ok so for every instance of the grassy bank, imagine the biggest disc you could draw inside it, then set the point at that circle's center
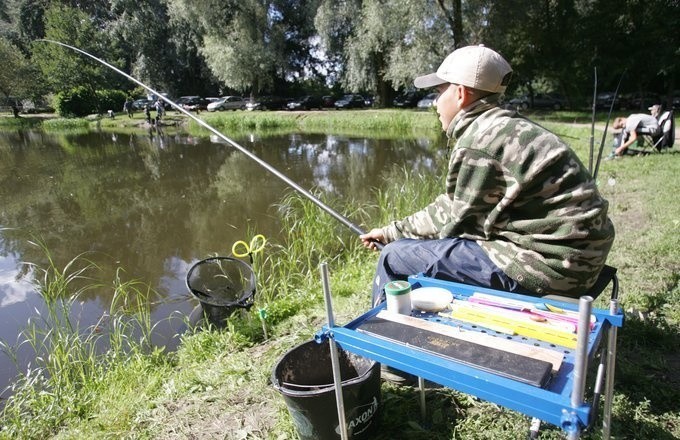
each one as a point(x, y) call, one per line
point(385, 123)
point(217, 384)
point(368, 123)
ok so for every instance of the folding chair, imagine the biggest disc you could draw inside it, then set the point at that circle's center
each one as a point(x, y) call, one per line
point(659, 139)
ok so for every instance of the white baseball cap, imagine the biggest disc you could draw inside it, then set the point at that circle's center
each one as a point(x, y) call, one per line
point(473, 66)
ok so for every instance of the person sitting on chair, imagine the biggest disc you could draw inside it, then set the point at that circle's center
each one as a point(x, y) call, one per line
point(629, 131)
point(519, 212)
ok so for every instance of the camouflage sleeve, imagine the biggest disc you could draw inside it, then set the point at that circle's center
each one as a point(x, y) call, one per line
point(475, 183)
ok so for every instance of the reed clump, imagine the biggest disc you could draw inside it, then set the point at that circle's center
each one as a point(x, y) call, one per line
point(66, 124)
point(74, 365)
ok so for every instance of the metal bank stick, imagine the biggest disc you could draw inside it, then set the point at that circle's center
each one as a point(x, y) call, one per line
point(585, 307)
point(611, 363)
point(335, 360)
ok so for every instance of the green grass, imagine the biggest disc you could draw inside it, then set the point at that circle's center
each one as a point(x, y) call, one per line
point(76, 368)
point(217, 384)
point(66, 124)
point(368, 123)
point(10, 123)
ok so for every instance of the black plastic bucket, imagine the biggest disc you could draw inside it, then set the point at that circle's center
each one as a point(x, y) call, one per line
point(304, 376)
point(222, 285)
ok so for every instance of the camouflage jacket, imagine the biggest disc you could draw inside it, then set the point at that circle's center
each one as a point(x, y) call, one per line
point(524, 196)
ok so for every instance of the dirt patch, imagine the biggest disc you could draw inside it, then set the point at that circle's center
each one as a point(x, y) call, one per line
point(234, 400)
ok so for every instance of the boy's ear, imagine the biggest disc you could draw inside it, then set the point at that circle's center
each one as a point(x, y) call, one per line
point(465, 96)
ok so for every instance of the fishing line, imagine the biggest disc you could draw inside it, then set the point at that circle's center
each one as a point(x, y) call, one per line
point(354, 228)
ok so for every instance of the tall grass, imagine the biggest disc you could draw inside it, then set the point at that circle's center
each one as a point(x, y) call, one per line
point(66, 124)
point(74, 366)
point(22, 123)
point(370, 123)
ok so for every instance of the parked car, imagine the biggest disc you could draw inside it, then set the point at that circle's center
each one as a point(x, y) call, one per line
point(306, 103)
point(604, 101)
point(369, 100)
point(350, 101)
point(228, 103)
point(195, 103)
point(139, 104)
point(427, 101)
point(152, 99)
point(540, 101)
point(266, 103)
point(328, 101)
point(641, 101)
point(408, 99)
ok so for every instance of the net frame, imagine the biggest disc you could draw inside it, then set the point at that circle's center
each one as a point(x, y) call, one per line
point(222, 268)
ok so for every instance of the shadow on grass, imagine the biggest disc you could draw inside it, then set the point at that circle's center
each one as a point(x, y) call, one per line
point(648, 360)
point(401, 417)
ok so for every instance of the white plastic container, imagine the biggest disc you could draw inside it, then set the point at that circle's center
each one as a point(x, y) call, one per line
point(398, 297)
point(431, 299)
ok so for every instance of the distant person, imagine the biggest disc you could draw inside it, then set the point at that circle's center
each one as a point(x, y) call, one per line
point(147, 113)
point(655, 110)
point(629, 131)
point(127, 107)
point(15, 110)
point(159, 111)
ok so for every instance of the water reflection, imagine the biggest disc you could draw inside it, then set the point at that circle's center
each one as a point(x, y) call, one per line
point(154, 203)
point(16, 281)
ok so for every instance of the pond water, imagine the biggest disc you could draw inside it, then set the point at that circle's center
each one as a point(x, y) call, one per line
point(154, 204)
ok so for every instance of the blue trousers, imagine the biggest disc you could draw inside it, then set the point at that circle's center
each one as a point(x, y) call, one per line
point(452, 259)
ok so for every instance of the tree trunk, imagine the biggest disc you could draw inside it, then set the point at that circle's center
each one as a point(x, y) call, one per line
point(454, 16)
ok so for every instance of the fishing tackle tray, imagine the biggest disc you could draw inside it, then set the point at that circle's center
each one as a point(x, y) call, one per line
point(534, 387)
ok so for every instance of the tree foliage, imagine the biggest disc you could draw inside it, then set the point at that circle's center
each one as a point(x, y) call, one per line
point(373, 46)
point(251, 45)
point(158, 48)
point(17, 77)
point(381, 47)
point(66, 69)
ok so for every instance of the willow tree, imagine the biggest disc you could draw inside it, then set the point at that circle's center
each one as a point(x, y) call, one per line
point(251, 45)
point(381, 47)
point(158, 51)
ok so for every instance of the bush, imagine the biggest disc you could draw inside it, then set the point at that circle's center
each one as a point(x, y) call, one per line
point(111, 100)
point(81, 101)
point(78, 101)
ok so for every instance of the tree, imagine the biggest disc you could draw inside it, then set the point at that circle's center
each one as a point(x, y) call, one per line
point(251, 45)
point(64, 68)
point(18, 77)
point(382, 48)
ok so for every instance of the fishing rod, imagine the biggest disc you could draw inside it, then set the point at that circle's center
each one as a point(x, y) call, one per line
point(606, 126)
point(354, 228)
point(592, 126)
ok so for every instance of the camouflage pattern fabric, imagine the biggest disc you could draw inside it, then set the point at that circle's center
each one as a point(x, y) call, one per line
point(524, 196)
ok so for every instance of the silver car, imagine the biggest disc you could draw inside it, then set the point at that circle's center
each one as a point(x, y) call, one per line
point(427, 101)
point(228, 103)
